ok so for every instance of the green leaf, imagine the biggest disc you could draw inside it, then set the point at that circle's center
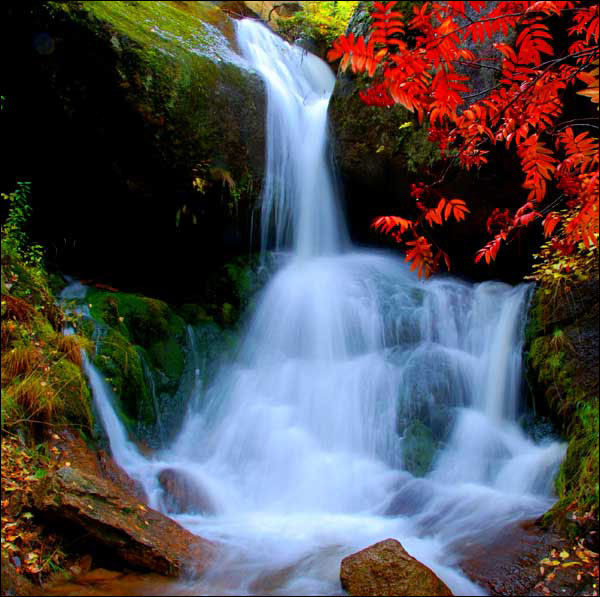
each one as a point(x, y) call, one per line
point(40, 473)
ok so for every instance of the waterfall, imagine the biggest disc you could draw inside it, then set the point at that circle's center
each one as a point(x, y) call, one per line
point(299, 207)
point(306, 441)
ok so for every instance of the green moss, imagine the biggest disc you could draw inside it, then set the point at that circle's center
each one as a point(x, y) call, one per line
point(418, 448)
point(120, 362)
point(168, 357)
point(194, 314)
point(138, 327)
point(570, 394)
point(75, 393)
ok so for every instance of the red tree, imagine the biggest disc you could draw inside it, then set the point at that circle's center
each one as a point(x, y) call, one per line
point(559, 158)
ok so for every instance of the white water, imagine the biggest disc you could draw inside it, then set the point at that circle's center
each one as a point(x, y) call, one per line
point(298, 442)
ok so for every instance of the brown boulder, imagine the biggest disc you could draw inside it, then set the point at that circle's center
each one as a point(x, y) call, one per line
point(182, 494)
point(121, 525)
point(387, 569)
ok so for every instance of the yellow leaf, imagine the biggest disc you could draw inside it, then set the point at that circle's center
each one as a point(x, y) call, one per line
point(564, 555)
point(548, 562)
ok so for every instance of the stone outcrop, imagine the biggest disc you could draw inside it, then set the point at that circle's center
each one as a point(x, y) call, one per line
point(91, 495)
point(387, 569)
point(159, 98)
point(120, 524)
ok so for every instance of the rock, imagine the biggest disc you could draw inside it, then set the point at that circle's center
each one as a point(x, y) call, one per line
point(157, 95)
point(387, 569)
point(112, 471)
point(508, 562)
point(115, 522)
point(71, 450)
point(271, 11)
point(418, 448)
point(182, 494)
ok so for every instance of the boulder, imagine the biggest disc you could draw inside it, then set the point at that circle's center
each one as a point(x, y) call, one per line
point(387, 569)
point(182, 494)
point(116, 523)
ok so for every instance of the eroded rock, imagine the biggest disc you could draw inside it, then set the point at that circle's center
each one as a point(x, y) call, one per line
point(386, 568)
point(120, 524)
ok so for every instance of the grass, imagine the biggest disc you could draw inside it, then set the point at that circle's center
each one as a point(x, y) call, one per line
point(43, 382)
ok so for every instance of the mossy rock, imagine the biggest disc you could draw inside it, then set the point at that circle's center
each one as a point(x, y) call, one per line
point(158, 96)
point(120, 362)
point(562, 369)
point(179, 72)
point(418, 449)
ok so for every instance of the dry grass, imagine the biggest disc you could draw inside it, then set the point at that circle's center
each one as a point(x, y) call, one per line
point(34, 397)
point(20, 361)
point(18, 309)
point(71, 347)
point(8, 334)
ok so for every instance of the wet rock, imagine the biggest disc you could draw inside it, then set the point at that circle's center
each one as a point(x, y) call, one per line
point(387, 569)
point(507, 563)
point(410, 498)
point(114, 521)
point(71, 450)
point(181, 494)
point(112, 471)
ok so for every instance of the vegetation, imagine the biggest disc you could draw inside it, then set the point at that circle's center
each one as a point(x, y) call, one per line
point(564, 364)
point(42, 378)
point(321, 22)
point(423, 72)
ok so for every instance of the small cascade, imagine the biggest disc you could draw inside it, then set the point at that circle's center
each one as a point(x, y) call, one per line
point(151, 382)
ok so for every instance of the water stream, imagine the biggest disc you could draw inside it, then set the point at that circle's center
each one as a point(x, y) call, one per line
point(303, 442)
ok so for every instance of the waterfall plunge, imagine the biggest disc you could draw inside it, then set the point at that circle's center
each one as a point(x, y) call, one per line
point(299, 441)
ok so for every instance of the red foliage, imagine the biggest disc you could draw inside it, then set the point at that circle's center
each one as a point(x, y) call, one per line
point(560, 167)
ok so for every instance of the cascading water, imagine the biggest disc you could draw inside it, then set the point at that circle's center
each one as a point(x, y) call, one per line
point(304, 441)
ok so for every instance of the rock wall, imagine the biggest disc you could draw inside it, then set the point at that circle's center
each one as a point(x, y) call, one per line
point(562, 365)
point(124, 106)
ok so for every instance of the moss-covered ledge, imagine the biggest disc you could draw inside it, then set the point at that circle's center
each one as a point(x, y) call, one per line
point(562, 367)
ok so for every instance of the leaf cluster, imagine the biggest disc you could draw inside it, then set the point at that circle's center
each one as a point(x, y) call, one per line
point(425, 75)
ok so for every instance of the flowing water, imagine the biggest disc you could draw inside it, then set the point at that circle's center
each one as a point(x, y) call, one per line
point(350, 370)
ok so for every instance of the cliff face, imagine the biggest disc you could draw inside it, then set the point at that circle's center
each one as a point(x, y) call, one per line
point(144, 128)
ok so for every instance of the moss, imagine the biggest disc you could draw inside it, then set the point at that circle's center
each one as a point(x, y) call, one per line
point(120, 362)
point(168, 357)
point(177, 73)
point(568, 389)
point(418, 448)
point(194, 314)
point(75, 393)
